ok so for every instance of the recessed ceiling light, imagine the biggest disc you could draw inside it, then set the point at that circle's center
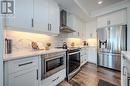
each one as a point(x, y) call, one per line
point(100, 2)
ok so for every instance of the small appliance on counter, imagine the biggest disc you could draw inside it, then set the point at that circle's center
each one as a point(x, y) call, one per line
point(8, 46)
point(85, 43)
point(65, 45)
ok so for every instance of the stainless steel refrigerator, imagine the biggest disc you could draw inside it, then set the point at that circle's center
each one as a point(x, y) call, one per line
point(110, 42)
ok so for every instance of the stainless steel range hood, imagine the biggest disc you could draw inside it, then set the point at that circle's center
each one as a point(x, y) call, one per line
point(63, 23)
point(66, 29)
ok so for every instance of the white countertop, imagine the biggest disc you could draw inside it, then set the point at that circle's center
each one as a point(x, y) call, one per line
point(126, 54)
point(87, 46)
point(24, 54)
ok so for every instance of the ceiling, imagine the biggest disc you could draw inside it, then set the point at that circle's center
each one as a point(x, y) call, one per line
point(92, 5)
point(72, 7)
point(84, 8)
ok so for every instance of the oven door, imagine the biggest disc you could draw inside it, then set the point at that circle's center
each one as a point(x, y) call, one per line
point(74, 61)
point(53, 65)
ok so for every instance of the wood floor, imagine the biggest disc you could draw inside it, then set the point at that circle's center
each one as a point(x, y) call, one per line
point(90, 76)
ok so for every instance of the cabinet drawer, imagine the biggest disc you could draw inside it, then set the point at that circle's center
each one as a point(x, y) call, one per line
point(54, 79)
point(21, 64)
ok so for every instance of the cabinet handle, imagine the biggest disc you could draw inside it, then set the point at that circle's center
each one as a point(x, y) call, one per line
point(32, 23)
point(123, 57)
point(37, 74)
point(78, 33)
point(128, 81)
point(124, 71)
point(25, 64)
point(55, 79)
point(50, 27)
point(108, 22)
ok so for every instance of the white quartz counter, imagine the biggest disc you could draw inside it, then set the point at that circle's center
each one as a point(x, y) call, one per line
point(126, 54)
point(25, 54)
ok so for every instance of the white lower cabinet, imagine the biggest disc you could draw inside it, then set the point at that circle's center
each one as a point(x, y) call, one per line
point(83, 56)
point(125, 70)
point(23, 78)
point(92, 54)
point(54, 79)
point(22, 72)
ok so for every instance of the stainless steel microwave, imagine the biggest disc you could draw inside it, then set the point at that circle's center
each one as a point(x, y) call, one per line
point(52, 63)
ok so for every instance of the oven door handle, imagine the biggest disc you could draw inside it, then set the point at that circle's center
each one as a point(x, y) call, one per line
point(74, 53)
point(56, 57)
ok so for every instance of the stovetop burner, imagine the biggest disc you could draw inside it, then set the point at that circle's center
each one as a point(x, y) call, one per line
point(71, 48)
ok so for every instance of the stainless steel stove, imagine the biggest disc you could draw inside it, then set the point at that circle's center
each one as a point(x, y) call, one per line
point(72, 61)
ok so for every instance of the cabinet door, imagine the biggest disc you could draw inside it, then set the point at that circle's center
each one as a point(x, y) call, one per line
point(102, 21)
point(86, 54)
point(117, 18)
point(84, 31)
point(80, 29)
point(24, 78)
point(125, 70)
point(76, 27)
point(54, 79)
point(54, 16)
point(41, 15)
point(92, 55)
point(22, 19)
point(70, 20)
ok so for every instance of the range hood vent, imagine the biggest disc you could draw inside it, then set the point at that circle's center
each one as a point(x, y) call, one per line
point(63, 23)
point(66, 29)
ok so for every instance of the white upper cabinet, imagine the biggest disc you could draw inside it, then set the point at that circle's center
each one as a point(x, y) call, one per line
point(41, 15)
point(102, 21)
point(36, 16)
point(71, 21)
point(75, 24)
point(54, 16)
point(84, 31)
point(115, 18)
point(91, 30)
point(23, 15)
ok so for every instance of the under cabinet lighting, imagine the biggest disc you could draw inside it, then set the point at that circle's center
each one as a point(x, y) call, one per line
point(100, 2)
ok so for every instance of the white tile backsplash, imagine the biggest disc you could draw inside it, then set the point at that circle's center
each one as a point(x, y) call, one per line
point(22, 40)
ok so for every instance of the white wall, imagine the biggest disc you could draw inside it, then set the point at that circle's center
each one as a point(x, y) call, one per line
point(128, 29)
point(1, 53)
